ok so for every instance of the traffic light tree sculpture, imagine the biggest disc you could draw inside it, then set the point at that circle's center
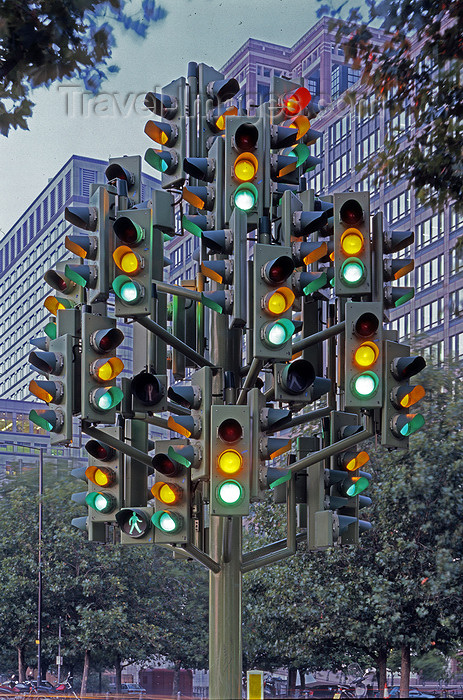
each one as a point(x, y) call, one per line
point(288, 282)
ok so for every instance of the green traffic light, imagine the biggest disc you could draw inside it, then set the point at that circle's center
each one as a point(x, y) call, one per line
point(230, 493)
point(167, 522)
point(365, 385)
point(357, 485)
point(277, 333)
point(405, 425)
point(49, 420)
point(101, 502)
point(104, 399)
point(128, 290)
point(245, 196)
point(353, 272)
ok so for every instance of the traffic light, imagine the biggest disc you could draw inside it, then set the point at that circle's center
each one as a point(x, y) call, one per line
point(273, 302)
point(346, 479)
point(149, 392)
point(126, 170)
point(352, 247)
point(172, 516)
point(104, 476)
point(397, 424)
point(69, 293)
point(94, 246)
point(135, 525)
point(169, 134)
point(363, 375)
point(231, 272)
point(214, 90)
point(59, 365)
point(206, 197)
point(246, 178)
point(395, 269)
point(231, 466)
point(197, 396)
point(133, 258)
point(296, 382)
point(100, 368)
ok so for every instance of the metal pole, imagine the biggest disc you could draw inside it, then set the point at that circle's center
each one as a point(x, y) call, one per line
point(225, 662)
point(39, 600)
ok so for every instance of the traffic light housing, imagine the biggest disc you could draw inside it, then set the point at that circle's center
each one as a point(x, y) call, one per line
point(363, 374)
point(230, 460)
point(352, 246)
point(96, 218)
point(59, 365)
point(397, 424)
point(346, 479)
point(149, 392)
point(135, 525)
point(172, 514)
point(246, 178)
point(273, 301)
point(132, 257)
point(169, 134)
point(100, 368)
point(104, 476)
point(126, 169)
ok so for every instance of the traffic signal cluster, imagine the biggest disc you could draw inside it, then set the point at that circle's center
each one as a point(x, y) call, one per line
point(282, 266)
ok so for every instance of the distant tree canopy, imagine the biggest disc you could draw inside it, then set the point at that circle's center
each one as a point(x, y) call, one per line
point(49, 40)
point(423, 87)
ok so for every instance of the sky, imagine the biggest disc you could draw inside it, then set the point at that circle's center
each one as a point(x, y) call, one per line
point(66, 121)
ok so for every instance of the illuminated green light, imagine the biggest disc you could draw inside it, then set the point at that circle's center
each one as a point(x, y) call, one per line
point(277, 333)
point(191, 227)
point(50, 330)
point(41, 420)
point(360, 483)
point(105, 399)
point(245, 196)
point(230, 493)
point(365, 385)
point(404, 298)
point(167, 522)
point(353, 272)
point(101, 502)
point(316, 284)
point(128, 290)
point(411, 426)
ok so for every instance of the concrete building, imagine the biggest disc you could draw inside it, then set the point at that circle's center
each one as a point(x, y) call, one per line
point(34, 244)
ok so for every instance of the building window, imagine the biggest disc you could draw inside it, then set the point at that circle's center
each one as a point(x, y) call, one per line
point(60, 194)
point(456, 261)
point(6, 421)
point(38, 224)
point(339, 130)
point(456, 346)
point(429, 316)
point(434, 354)
point(87, 178)
point(429, 273)
point(456, 303)
point(340, 167)
point(22, 423)
point(176, 257)
point(263, 93)
point(68, 185)
point(456, 220)
point(398, 207)
point(52, 203)
point(430, 230)
point(45, 211)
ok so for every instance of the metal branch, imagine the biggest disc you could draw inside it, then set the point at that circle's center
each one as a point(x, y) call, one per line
point(174, 342)
point(318, 337)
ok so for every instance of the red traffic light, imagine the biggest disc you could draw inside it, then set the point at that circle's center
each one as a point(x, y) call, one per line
point(366, 325)
point(294, 104)
point(166, 466)
point(230, 430)
point(351, 212)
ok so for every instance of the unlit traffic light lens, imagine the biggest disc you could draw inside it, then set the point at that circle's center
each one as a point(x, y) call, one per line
point(128, 231)
point(230, 430)
point(351, 212)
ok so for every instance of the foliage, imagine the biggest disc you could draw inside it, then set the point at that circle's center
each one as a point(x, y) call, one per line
point(53, 40)
point(420, 86)
point(431, 666)
point(400, 586)
point(118, 603)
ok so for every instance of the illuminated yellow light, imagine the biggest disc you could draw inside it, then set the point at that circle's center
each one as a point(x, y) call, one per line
point(302, 124)
point(173, 425)
point(358, 461)
point(352, 241)
point(126, 260)
point(220, 123)
point(366, 355)
point(245, 167)
point(192, 198)
point(101, 479)
point(230, 462)
point(167, 493)
point(39, 392)
point(53, 305)
point(101, 476)
point(106, 370)
point(415, 395)
point(75, 248)
point(279, 301)
point(155, 133)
